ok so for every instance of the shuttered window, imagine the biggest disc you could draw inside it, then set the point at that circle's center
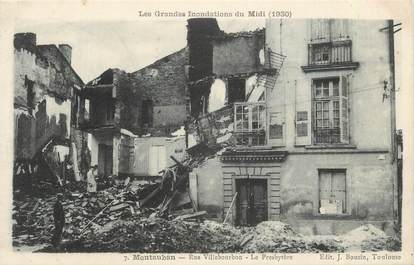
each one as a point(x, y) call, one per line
point(326, 30)
point(332, 191)
point(329, 42)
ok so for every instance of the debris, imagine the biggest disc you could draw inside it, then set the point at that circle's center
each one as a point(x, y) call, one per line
point(364, 232)
point(246, 240)
point(118, 207)
point(126, 182)
point(231, 207)
point(193, 215)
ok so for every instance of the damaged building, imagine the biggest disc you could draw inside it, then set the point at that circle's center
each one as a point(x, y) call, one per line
point(44, 130)
point(135, 121)
point(289, 119)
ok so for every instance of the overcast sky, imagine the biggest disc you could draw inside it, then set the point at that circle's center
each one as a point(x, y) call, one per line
point(97, 46)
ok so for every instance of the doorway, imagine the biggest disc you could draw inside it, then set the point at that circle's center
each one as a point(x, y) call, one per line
point(251, 201)
point(105, 161)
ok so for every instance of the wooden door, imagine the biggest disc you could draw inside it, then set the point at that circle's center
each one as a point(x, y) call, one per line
point(252, 201)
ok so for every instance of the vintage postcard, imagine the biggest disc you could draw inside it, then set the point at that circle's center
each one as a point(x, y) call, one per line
point(226, 132)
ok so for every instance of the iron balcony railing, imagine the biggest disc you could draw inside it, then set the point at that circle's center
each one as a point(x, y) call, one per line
point(330, 53)
point(327, 135)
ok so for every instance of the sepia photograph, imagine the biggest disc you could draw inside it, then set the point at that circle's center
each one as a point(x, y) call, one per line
point(207, 135)
point(251, 132)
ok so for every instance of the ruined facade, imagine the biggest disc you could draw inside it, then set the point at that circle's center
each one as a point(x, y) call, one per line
point(133, 118)
point(305, 149)
point(44, 85)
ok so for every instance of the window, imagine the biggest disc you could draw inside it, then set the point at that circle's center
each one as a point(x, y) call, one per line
point(30, 96)
point(330, 110)
point(249, 123)
point(329, 42)
point(327, 30)
point(332, 191)
point(236, 90)
point(147, 113)
point(110, 110)
point(87, 109)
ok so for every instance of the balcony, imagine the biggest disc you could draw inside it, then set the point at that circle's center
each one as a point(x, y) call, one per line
point(99, 113)
point(336, 55)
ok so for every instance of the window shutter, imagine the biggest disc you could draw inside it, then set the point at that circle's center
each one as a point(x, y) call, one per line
point(276, 125)
point(303, 116)
point(339, 29)
point(343, 109)
point(313, 116)
point(320, 30)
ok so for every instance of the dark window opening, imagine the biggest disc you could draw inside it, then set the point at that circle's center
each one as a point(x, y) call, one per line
point(147, 113)
point(110, 111)
point(30, 96)
point(236, 90)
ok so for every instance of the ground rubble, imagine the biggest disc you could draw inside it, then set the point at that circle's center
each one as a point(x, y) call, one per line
point(115, 221)
point(137, 216)
point(160, 235)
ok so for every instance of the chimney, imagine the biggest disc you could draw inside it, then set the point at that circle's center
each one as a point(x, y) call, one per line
point(66, 50)
point(25, 41)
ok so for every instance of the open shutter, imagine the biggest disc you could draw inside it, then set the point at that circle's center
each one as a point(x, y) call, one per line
point(313, 115)
point(303, 116)
point(343, 109)
point(276, 116)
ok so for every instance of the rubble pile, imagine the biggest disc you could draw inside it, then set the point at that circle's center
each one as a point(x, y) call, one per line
point(371, 238)
point(382, 243)
point(155, 235)
point(364, 232)
point(33, 221)
point(274, 236)
point(140, 216)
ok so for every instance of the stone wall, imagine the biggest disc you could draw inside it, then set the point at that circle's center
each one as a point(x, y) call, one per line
point(165, 84)
point(238, 54)
point(45, 73)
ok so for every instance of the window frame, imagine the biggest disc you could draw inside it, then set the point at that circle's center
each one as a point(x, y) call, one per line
point(336, 103)
point(254, 136)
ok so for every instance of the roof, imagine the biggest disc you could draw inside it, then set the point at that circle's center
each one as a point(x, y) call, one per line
point(106, 78)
